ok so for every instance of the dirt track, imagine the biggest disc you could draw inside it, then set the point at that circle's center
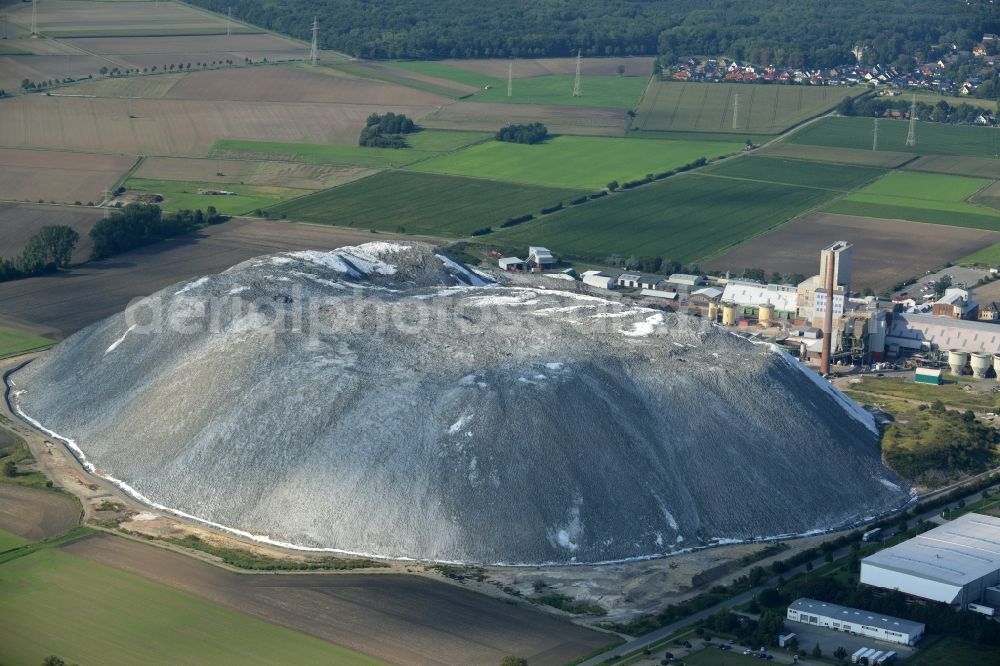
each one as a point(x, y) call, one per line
point(64, 303)
point(885, 251)
point(35, 514)
point(401, 619)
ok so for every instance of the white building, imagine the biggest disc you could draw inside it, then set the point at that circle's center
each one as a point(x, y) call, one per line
point(854, 621)
point(953, 563)
point(512, 264)
point(598, 279)
point(686, 279)
point(540, 257)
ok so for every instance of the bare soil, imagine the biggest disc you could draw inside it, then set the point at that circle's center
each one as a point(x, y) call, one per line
point(19, 222)
point(64, 303)
point(568, 119)
point(293, 83)
point(177, 127)
point(35, 514)
point(250, 172)
point(60, 177)
point(401, 619)
point(885, 251)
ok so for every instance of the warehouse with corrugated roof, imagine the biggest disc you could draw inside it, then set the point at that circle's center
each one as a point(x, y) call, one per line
point(953, 563)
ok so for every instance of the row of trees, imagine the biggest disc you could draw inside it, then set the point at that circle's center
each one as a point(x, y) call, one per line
point(386, 131)
point(941, 111)
point(47, 251)
point(136, 225)
point(530, 133)
point(781, 32)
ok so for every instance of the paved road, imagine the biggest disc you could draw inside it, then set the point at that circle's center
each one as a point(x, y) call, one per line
point(644, 641)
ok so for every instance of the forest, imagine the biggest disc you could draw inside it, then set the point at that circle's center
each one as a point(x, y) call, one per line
point(779, 32)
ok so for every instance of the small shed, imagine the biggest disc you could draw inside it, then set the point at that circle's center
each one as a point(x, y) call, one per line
point(927, 376)
point(629, 280)
point(512, 264)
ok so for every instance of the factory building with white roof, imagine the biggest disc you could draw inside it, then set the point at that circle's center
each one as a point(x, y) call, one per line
point(954, 563)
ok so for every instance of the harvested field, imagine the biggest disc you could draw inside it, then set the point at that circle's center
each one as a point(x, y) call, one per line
point(559, 119)
point(398, 619)
point(381, 72)
point(35, 514)
point(839, 177)
point(251, 172)
point(856, 156)
point(63, 304)
point(29, 175)
point(987, 293)
point(187, 47)
point(62, 17)
point(708, 107)
point(885, 251)
point(524, 68)
point(284, 83)
point(442, 206)
point(175, 127)
point(37, 68)
point(980, 167)
point(153, 86)
point(19, 222)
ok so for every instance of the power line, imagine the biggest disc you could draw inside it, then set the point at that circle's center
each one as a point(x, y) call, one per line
point(229, 22)
point(911, 136)
point(34, 19)
point(875, 136)
point(314, 51)
point(736, 108)
point(510, 78)
point(577, 89)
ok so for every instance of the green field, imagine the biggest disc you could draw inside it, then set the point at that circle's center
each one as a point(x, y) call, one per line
point(988, 256)
point(708, 107)
point(609, 91)
point(573, 161)
point(417, 203)
point(880, 158)
point(14, 341)
point(949, 651)
point(8, 541)
point(182, 194)
point(687, 218)
point(932, 138)
point(921, 197)
point(8, 49)
point(837, 177)
point(424, 144)
point(934, 98)
point(56, 603)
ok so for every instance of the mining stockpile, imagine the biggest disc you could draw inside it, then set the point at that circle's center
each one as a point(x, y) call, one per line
point(386, 400)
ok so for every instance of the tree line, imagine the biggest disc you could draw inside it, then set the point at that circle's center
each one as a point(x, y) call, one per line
point(941, 111)
point(779, 32)
point(136, 225)
point(47, 251)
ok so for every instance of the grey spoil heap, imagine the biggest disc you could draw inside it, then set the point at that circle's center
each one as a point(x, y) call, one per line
point(417, 411)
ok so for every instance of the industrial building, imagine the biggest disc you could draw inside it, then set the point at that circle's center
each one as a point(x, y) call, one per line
point(750, 296)
point(915, 332)
point(954, 563)
point(854, 621)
